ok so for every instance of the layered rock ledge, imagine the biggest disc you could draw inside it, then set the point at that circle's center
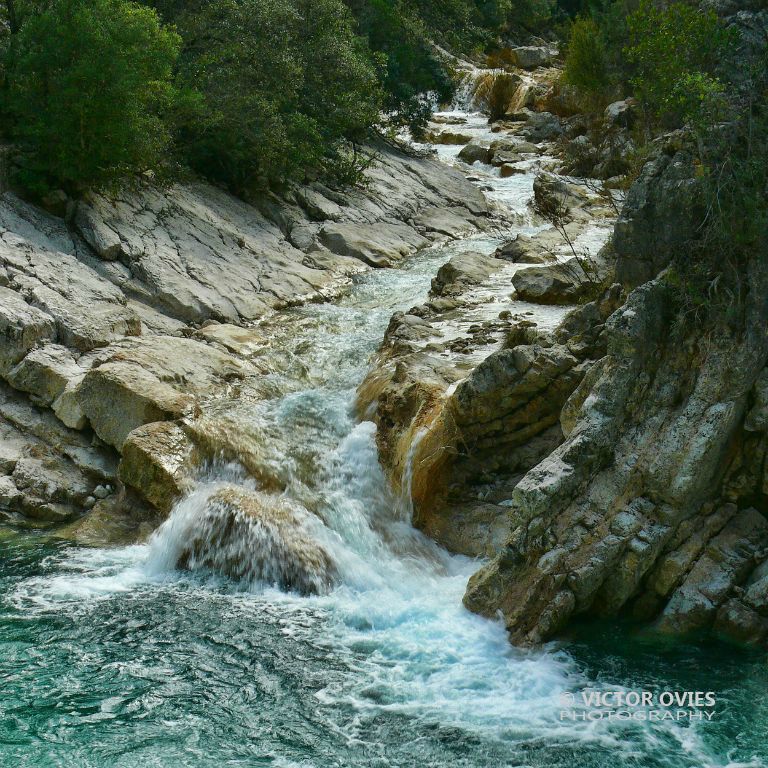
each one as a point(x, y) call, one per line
point(125, 324)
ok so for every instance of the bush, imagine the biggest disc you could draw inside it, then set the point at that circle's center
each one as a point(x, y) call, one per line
point(675, 51)
point(88, 82)
point(586, 60)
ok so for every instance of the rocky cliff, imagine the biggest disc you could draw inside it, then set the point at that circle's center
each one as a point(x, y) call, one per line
point(654, 504)
point(611, 462)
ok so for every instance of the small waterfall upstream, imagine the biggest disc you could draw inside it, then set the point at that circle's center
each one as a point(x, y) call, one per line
point(315, 627)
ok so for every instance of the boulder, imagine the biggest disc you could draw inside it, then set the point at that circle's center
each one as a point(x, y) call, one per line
point(757, 418)
point(50, 478)
point(738, 622)
point(463, 270)
point(523, 250)
point(531, 56)
point(378, 245)
point(67, 407)
point(45, 373)
point(446, 221)
point(88, 311)
point(502, 157)
point(553, 193)
point(475, 153)
point(560, 283)
point(725, 563)
point(22, 327)
point(449, 137)
point(253, 537)
point(542, 126)
point(157, 378)
point(157, 462)
point(236, 339)
point(622, 114)
point(508, 170)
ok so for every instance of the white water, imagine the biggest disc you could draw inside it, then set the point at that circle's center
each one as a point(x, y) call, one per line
point(394, 617)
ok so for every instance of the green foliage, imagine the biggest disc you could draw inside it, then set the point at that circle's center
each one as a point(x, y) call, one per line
point(87, 84)
point(411, 69)
point(674, 51)
point(281, 84)
point(586, 60)
point(249, 93)
point(402, 32)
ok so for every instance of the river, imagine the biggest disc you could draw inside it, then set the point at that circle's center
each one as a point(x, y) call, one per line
point(110, 658)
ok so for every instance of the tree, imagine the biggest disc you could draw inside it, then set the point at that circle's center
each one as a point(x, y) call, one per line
point(281, 84)
point(88, 82)
point(585, 62)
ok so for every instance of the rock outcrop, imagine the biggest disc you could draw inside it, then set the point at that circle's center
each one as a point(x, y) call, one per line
point(254, 538)
point(654, 504)
point(125, 329)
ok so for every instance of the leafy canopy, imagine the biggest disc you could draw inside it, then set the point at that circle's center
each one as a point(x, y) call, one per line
point(88, 83)
point(675, 51)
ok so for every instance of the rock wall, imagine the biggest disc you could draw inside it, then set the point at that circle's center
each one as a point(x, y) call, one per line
point(654, 505)
point(125, 324)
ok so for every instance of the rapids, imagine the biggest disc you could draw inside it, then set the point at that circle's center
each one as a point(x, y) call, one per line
point(111, 657)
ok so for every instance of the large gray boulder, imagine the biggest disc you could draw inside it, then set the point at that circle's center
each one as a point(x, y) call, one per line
point(531, 56)
point(559, 283)
point(378, 245)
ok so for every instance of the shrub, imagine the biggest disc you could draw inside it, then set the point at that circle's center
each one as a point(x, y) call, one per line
point(675, 51)
point(586, 62)
point(88, 82)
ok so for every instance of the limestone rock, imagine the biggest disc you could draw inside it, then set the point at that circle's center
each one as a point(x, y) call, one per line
point(738, 622)
point(88, 311)
point(562, 283)
point(449, 222)
point(45, 372)
point(531, 56)
point(757, 418)
point(622, 113)
point(542, 126)
point(157, 462)
point(255, 537)
point(449, 137)
point(659, 216)
point(67, 406)
point(461, 271)
point(379, 245)
point(474, 153)
point(724, 564)
point(22, 327)
point(158, 378)
point(508, 170)
point(238, 340)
